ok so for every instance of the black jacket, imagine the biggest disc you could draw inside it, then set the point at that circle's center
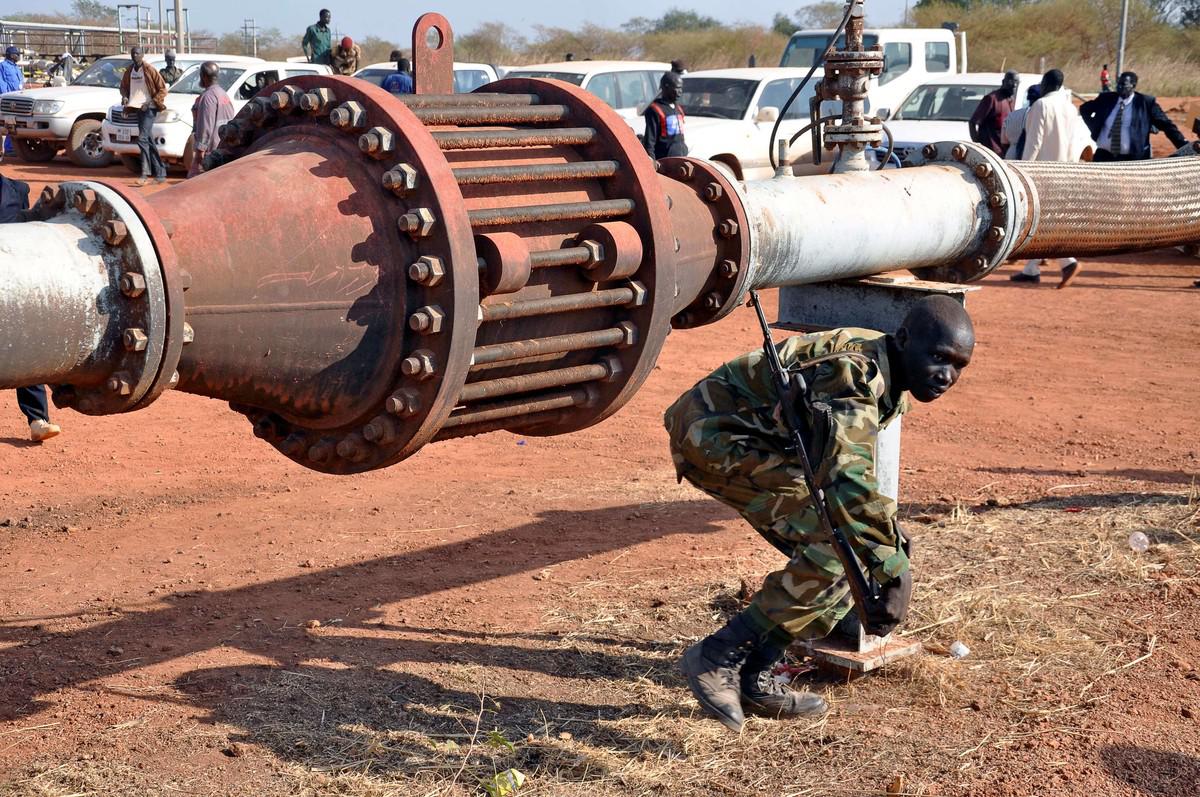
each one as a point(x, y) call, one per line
point(14, 201)
point(664, 130)
point(1147, 116)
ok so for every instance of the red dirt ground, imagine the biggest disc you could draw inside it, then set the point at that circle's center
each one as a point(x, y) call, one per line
point(139, 551)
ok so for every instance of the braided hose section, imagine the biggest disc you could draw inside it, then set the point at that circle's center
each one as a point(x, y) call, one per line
point(1097, 209)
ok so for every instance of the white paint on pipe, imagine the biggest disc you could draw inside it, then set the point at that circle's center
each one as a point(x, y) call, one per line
point(840, 226)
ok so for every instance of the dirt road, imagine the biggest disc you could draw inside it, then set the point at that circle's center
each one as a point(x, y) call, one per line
point(162, 572)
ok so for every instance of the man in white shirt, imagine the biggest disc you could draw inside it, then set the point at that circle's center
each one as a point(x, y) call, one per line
point(144, 92)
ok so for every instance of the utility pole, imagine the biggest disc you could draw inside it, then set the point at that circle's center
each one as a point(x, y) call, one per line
point(179, 26)
point(1123, 36)
point(250, 37)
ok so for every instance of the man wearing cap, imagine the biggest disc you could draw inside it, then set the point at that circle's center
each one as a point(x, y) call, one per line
point(170, 73)
point(346, 56)
point(316, 39)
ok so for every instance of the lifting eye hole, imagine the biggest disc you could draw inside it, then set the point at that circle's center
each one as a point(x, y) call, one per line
point(434, 38)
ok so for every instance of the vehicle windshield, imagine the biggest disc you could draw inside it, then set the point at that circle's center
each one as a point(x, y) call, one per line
point(190, 82)
point(567, 77)
point(375, 76)
point(806, 49)
point(467, 80)
point(105, 73)
point(945, 102)
point(724, 98)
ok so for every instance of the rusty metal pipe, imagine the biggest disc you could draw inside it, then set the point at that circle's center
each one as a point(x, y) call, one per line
point(492, 115)
point(487, 175)
point(567, 256)
point(504, 311)
point(519, 407)
point(559, 377)
point(557, 344)
point(487, 139)
point(473, 99)
point(513, 424)
point(562, 211)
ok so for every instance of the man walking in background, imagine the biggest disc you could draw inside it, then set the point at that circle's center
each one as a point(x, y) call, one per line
point(316, 39)
point(144, 91)
point(1053, 132)
point(1121, 122)
point(987, 123)
point(401, 82)
point(346, 56)
point(212, 109)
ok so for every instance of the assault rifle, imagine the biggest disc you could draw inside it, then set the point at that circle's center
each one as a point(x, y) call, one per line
point(792, 388)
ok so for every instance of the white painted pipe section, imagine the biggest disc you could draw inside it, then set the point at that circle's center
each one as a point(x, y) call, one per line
point(54, 289)
point(887, 459)
point(840, 226)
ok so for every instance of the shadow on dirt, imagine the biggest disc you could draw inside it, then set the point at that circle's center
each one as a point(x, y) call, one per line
point(267, 619)
point(18, 442)
point(1153, 772)
point(1133, 474)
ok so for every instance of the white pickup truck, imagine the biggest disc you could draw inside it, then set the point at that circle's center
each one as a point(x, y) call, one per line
point(43, 121)
point(172, 130)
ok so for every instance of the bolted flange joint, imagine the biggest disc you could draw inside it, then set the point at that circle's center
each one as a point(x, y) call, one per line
point(378, 142)
point(349, 116)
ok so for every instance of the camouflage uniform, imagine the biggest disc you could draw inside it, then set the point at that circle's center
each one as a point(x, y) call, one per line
point(727, 440)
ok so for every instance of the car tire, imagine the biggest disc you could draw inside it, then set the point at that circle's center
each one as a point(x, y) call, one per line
point(35, 150)
point(85, 146)
point(132, 162)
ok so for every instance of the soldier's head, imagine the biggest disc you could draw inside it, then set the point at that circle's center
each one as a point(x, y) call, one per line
point(324, 17)
point(670, 87)
point(1012, 80)
point(347, 44)
point(208, 73)
point(403, 65)
point(169, 57)
point(935, 343)
point(1127, 84)
point(137, 55)
point(1052, 81)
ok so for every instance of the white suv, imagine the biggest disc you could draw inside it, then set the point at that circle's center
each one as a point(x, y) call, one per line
point(467, 77)
point(44, 120)
point(627, 86)
point(172, 130)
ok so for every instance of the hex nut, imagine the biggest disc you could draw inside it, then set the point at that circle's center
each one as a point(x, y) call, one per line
point(984, 171)
point(264, 429)
point(120, 384)
point(980, 263)
point(595, 255)
point(640, 294)
point(405, 402)
point(317, 101)
point(132, 284)
point(292, 445)
point(232, 133)
point(427, 320)
point(260, 110)
point(959, 152)
point(135, 339)
point(997, 200)
point(174, 381)
point(612, 364)
point(713, 301)
point(728, 228)
point(189, 334)
point(929, 151)
point(685, 170)
point(428, 271)
point(420, 364)
point(86, 201)
point(417, 222)
point(728, 269)
point(996, 233)
point(114, 232)
point(287, 98)
point(378, 142)
point(381, 429)
point(320, 452)
point(349, 116)
point(629, 334)
point(401, 179)
point(713, 191)
point(352, 447)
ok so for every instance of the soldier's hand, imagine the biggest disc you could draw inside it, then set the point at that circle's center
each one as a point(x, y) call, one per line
point(894, 597)
point(905, 540)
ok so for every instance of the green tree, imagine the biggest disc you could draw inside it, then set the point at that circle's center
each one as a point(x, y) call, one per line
point(94, 11)
point(814, 15)
point(675, 20)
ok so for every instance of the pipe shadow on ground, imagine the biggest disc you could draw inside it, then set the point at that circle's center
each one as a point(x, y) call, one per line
point(1153, 772)
point(1133, 474)
point(264, 619)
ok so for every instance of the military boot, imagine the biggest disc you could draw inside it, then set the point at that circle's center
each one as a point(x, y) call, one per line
point(712, 666)
point(763, 696)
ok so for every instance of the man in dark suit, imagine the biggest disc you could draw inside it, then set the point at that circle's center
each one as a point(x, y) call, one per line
point(1121, 122)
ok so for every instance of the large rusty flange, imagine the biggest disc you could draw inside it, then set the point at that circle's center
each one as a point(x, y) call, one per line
point(722, 292)
point(438, 288)
point(144, 303)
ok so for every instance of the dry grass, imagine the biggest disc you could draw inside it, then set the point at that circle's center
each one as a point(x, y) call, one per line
point(1055, 607)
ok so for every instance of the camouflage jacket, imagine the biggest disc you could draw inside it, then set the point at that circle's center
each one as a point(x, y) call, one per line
point(729, 425)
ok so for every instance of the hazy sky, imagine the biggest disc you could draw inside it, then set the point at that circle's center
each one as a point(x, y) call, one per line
point(381, 19)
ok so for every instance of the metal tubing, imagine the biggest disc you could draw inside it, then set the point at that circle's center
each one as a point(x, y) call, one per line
point(504, 311)
point(512, 409)
point(486, 175)
point(474, 99)
point(492, 115)
point(487, 139)
point(562, 211)
point(557, 344)
point(541, 380)
point(567, 256)
point(55, 305)
point(502, 424)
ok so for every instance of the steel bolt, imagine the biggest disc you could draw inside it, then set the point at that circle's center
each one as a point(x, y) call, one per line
point(629, 334)
point(317, 101)
point(287, 98)
point(713, 301)
point(427, 271)
point(980, 263)
point(612, 364)
point(640, 294)
point(728, 269)
point(685, 170)
point(349, 116)
point(132, 284)
point(404, 402)
point(292, 445)
point(353, 447)
point(233, 133)
point(420, 364)
point(959, 152)
point(378, 142)
point(114, 232)
point(320, 452)
point(996, 233)
point(713, 192)
point(929, 151)
point(401, 179)
point(418, 223)
point(135, 339)
point(381, 429)
point(260, 110)
point(119, 383)
point(189, 334)
point(86, 201)
point(427, 320)
point(997, 200)
point(983, 171)
point(728, 228)
point(264, 429)
point(595, 251)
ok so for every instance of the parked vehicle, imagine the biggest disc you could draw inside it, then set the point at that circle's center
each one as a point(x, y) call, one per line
point(627, 86)
point(43, 121)
point(730, 113)
point(939, 109)
point(172, 130)
point(467, 77)
point(911, 56)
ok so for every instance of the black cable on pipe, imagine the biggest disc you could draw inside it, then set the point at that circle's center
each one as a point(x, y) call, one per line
point(891, 148)
point(783, 111)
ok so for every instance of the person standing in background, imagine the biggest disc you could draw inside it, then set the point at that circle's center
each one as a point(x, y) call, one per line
point(315, 43)
point(212, 109)
point(11, 79)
